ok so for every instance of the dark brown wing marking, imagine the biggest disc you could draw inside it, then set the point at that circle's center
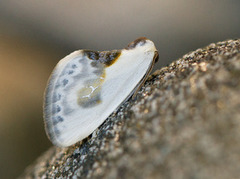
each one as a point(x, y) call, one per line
point(105, 57)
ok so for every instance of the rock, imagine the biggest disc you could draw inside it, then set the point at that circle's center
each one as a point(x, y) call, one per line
point(183, 123)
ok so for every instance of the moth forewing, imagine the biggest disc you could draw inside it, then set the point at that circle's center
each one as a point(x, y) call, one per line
point(87, 86)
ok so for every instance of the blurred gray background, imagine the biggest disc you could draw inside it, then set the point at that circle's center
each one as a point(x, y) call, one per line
point(35, 35)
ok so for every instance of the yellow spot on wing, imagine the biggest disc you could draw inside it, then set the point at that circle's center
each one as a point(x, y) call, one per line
point(90, 95)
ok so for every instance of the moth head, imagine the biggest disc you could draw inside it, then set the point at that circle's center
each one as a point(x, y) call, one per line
point(145, 45)
point(141, 42)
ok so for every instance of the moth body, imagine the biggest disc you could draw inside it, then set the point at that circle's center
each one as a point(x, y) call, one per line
point(87, 86)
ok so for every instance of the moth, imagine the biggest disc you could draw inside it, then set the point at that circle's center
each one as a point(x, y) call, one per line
point(86, 86)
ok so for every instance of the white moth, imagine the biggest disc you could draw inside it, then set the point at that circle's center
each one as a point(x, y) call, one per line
point(87, 86)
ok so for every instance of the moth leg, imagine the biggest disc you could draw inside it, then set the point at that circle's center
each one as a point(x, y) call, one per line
point(141, 83)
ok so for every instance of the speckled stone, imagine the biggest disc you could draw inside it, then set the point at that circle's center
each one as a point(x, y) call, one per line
point(183, 123)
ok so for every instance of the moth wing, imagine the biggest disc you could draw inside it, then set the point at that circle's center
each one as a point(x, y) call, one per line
point(65, 112)
point(69, 117)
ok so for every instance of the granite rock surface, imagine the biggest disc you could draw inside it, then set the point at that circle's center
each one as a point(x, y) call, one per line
point(183, 123)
